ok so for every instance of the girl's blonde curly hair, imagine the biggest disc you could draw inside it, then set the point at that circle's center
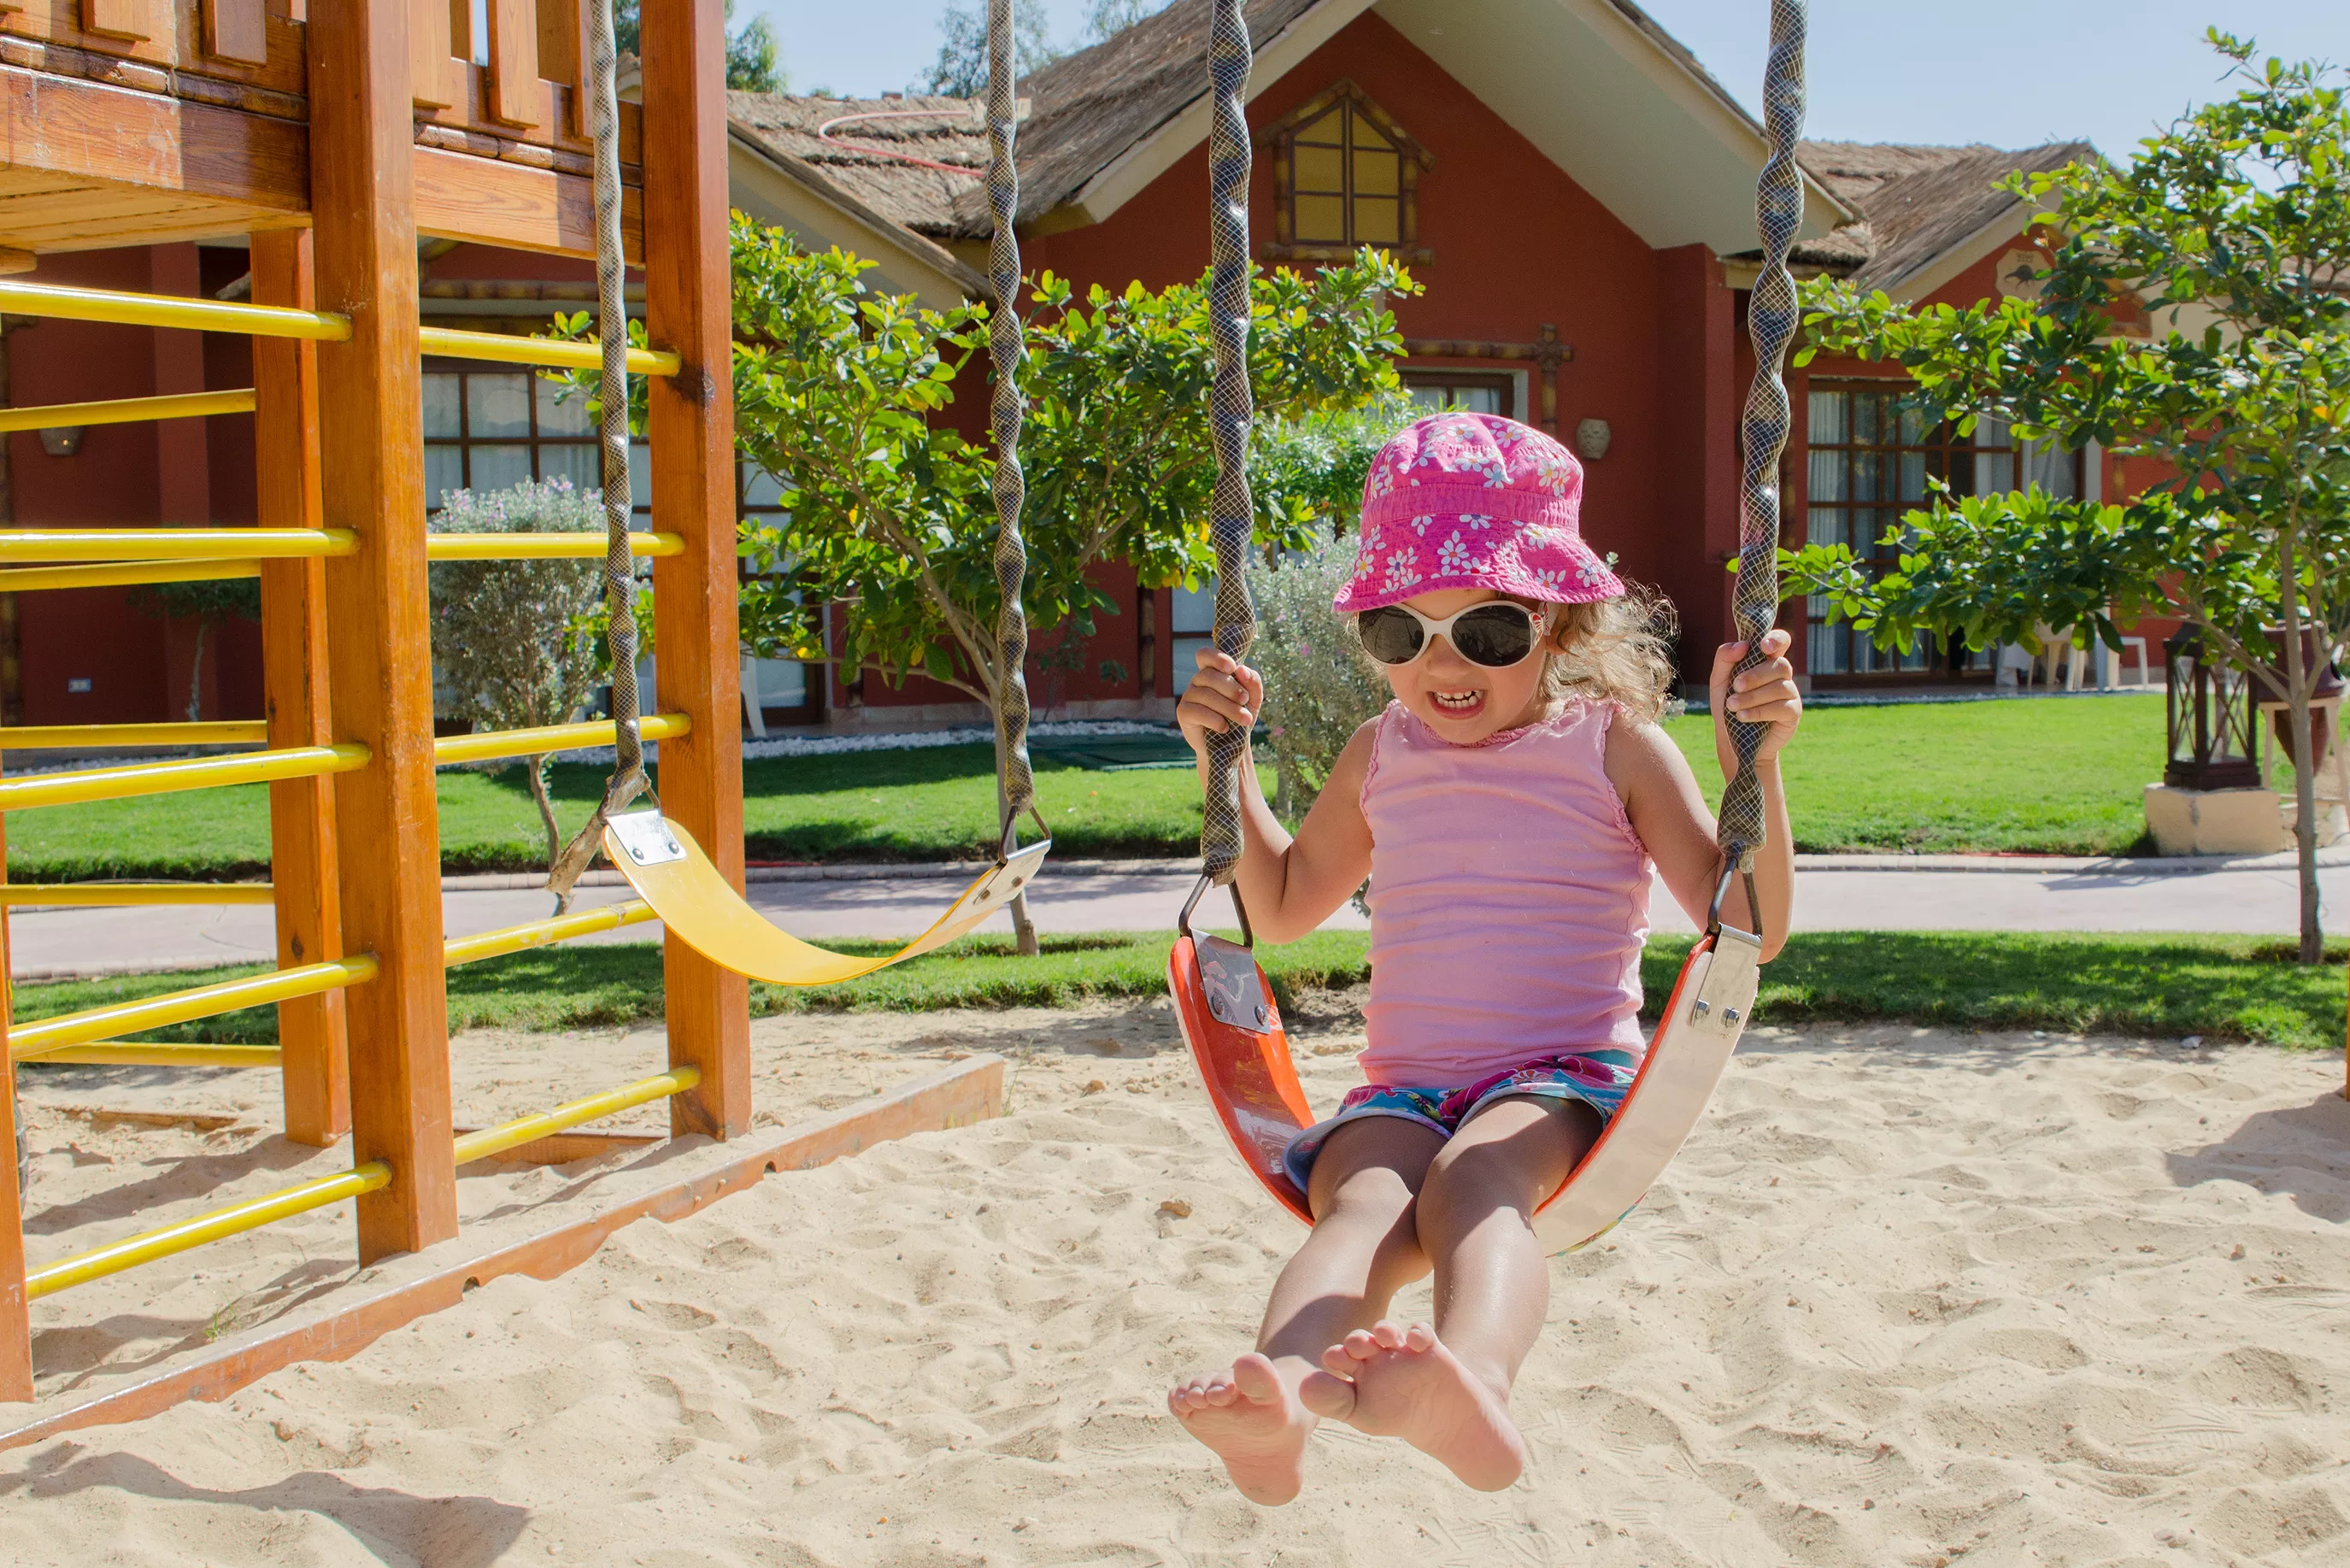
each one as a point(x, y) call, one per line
point(1618, 650)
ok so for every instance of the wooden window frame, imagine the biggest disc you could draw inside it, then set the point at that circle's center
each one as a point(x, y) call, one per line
point(1413, 159)
point(1451, 380)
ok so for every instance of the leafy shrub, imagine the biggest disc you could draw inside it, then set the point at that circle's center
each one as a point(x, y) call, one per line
point(1318, 689)
point(516, 643)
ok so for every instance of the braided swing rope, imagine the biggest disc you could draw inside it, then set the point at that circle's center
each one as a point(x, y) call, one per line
point(1008, 352)
point(1771, 318)
point(628, 778)
point(1230, 410)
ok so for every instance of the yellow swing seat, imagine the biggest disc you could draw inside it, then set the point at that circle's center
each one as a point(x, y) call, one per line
point(669, 871)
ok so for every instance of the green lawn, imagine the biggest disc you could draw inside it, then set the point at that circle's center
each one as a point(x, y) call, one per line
point(2223, 988)
point(2058, 776)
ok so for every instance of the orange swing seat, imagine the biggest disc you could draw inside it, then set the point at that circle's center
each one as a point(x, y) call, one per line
point(1231, 1021)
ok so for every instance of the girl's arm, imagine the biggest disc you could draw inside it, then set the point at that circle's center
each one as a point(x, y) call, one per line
point(1668, 809)
point(1289, 886)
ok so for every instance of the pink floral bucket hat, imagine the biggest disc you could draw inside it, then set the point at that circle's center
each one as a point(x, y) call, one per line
point(1474, 501)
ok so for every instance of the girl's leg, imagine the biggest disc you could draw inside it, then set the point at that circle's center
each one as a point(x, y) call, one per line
point(1361, 1251)
point(1445, 1388)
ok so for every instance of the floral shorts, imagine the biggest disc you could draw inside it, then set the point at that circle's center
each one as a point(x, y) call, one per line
point(1600, 1079)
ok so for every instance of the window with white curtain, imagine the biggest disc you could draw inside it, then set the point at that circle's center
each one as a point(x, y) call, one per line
point(1869, 459)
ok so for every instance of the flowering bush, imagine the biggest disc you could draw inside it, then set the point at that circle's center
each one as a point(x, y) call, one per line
point(1318, 689)
point(514, 643)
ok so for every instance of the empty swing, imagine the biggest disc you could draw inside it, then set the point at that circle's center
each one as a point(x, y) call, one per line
point(667, 867)
point(1226, 1004)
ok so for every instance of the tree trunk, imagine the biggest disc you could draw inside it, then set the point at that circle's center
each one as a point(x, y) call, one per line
point(1024, 929)
point(196, 674)
point(2298, 682)
point(538, 770)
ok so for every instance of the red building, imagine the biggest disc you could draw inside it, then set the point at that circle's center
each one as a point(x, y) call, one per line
point(1572, 188)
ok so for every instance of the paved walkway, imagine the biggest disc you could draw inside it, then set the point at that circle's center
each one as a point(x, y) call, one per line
point(1834, 893)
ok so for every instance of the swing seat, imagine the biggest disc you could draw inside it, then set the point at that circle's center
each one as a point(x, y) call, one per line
point(1243, 1058)
point(701, 910)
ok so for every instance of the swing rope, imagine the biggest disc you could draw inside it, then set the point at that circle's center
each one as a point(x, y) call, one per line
point(628, 779)
point(1230, 410)
point(1008, 352)
point(1772, 316)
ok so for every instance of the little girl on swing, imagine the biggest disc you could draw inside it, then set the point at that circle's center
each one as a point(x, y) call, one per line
point(1507, 808)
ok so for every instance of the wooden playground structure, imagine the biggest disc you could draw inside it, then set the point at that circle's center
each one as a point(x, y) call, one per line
point(337, 135)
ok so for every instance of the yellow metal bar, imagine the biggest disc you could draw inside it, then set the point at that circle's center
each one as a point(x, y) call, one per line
point(127, 893)
point(545, 933)
point(542, 546)
point(234, 1220)
point(63, 737)
point(32, 579)
point(128, 411)
point(173, 543)
point(87, 784)
point(492, 745)
point(595, 1108)
point(513, 350)
point(131, 895)
point(28, 1042)
point(166, 310)
point(118, 1054)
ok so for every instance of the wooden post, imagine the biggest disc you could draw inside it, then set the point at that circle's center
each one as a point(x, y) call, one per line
point(371, 454)
point(688, 308)
point(15, 1312)
point(294, 687)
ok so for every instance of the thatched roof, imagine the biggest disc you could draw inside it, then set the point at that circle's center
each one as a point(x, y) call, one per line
point(940, 130)
point(1919, 202)
point(1095, 106)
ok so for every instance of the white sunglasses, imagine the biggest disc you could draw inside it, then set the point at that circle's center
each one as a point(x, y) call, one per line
point(1495, 634)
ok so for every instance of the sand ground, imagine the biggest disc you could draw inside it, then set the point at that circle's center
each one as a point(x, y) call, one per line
point(1909, 1298)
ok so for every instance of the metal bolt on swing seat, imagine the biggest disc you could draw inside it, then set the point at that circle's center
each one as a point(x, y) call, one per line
point(1730, 1015)
point(1702, 1009)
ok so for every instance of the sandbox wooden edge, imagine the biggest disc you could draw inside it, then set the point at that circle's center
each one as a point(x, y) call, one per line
point(686, 1175)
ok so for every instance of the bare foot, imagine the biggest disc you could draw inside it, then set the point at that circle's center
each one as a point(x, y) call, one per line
point(1393, 1382)
point(1253, 1423)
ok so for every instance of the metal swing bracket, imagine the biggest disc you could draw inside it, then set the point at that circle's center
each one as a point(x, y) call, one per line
point(1229, 977)
point(1724, 1004)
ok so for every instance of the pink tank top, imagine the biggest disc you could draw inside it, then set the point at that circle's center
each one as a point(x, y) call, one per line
point(1509, 901)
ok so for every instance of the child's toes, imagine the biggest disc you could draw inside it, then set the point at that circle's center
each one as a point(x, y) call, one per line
point(1419, 1337)
point(1389, 1335)
point(1357, 1346)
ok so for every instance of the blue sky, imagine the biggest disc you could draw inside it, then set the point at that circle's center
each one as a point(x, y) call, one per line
point(2003, 71)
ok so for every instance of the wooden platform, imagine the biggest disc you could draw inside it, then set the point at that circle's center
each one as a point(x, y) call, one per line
point(673, 1180)
point(143, 121)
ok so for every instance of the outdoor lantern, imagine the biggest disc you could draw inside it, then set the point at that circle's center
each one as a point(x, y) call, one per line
point(2212, 718)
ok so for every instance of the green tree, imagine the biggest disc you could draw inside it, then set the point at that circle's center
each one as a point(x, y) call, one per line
point(960, 69)
point(516, 644)
point(751, 62)
point(1107, 18)
point(839, 393)
point(2232, 230)
point(209, 603)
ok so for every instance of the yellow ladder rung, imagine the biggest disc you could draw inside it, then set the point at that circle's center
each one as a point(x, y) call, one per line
point(85, 785)
point(544, 933)
point(123, 573)
point(131, 895)
point(28, 1042)
point(128, 410)
point(480, 1145)
point(166, 310)
point(62, 737)
point(133, 1053)
point(491, 746)
point(542, 546)
point(233, 1219)
point(454, 343)
point(173, 543)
